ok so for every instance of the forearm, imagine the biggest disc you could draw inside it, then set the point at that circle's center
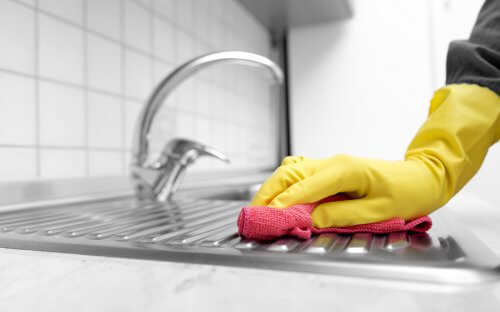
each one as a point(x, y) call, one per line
point(477, 60)
point(464, 121)
point(464, 116)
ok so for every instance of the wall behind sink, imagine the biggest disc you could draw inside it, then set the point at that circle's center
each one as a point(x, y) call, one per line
point(74, 74)
point(367, 88)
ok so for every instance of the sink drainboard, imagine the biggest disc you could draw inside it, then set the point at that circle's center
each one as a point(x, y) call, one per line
point(204, 231)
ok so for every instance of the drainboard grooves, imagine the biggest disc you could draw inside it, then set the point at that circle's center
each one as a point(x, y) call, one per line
point(35, 227)
point(167, 216)
point(37, 214)
point(71, 220)
point(200, 233)
point(322, 243)
point(205, 231)
point(89, 221)
point(164, 235)
point(420, 241)
point(196, 219)
point(282, 245)
point(396, 241)
point(21, 220)
point(127, 221)
point(227, 234)
point(54, 221)
point(378, 242)
point(246, 244)
point(359, 244)
point(124, 220)
point(204, 227)
point(173, 230)
point(44, 218)
point(34, 215)
point(42, 221)
point(340, 243)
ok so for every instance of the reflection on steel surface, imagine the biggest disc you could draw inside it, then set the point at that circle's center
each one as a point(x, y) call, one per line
point(204, 231)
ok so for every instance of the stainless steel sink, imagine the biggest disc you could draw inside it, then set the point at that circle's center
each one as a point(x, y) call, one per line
point(236, 193)
point(197, 228)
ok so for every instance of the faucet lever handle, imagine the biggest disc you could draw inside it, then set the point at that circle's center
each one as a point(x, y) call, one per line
point(213, 152)
point(171, 166)
point(187, 151)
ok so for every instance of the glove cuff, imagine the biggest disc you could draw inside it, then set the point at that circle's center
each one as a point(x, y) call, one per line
point(480, 99)
point(463, 122)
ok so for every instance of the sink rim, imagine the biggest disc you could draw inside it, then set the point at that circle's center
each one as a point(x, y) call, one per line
point(478, 266)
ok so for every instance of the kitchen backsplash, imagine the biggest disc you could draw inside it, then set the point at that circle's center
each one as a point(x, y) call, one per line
point(75, 73)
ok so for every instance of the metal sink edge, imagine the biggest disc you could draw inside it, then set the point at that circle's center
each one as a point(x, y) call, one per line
point(203, 231)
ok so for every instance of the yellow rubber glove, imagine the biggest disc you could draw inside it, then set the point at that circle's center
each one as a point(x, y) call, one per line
point(463, 122)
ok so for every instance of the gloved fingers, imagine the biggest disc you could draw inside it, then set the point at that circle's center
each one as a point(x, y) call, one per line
point(353, 212)
point(288, 160)
point(339, 177)
point(280, 180)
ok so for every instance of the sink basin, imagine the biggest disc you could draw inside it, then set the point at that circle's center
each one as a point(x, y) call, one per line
point(235, 193)
point(200, 227)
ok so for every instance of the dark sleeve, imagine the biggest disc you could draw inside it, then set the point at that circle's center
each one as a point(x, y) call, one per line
point(477, 60)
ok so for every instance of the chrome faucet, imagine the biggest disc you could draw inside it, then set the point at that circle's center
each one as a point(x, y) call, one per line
point(159, 179)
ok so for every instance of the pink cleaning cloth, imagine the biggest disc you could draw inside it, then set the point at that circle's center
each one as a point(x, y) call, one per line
point(266, 223)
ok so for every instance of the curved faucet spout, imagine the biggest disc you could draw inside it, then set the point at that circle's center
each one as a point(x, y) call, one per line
point(159, 179)
point(165, 87)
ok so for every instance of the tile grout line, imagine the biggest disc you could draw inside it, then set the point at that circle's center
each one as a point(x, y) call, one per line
point(96, 33)
point(176, 25)
point(164, 18)
point(38, 161)
point(122, 87)
point(151, 44)
point(86, 90)
point(210, 82)
point(65, 147)
point(175, 43)
point(220, 85)
point(151, 35)
point(194, 85)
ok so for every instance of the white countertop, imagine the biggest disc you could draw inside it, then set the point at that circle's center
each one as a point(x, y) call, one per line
point(31, 280)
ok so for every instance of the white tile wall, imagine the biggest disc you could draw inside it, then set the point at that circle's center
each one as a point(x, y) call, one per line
point(74, 75)
point(71, 10)
point(164, 39)
point(18, 117)
point(137, 25)
point(20, 163)
point(17, 37)
point(61, 111)
point(104, 121)
point(132, 109)
point(105, 163)
point(104, 64)
point(60, 51)
point(104, 17)
point(62, 163)
point(138, 74)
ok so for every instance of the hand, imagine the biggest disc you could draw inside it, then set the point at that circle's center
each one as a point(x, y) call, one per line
point(380, 190)
point(463, 122)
